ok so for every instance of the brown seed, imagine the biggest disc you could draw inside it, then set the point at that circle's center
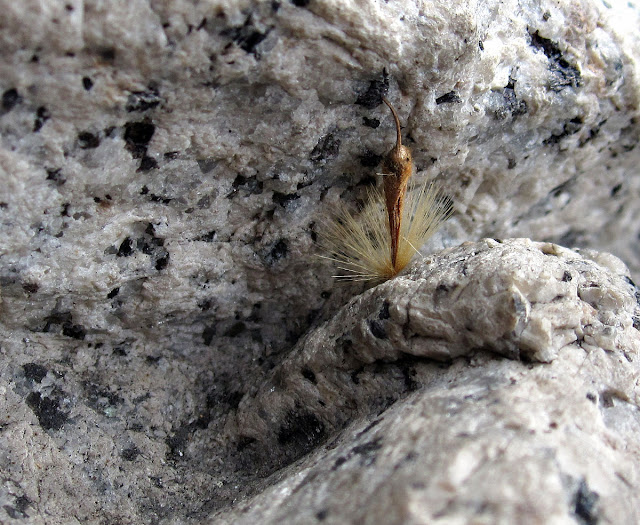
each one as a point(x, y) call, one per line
point(397, 167)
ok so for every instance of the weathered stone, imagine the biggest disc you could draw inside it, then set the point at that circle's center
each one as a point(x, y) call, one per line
point(164, 171)
point(433, 424)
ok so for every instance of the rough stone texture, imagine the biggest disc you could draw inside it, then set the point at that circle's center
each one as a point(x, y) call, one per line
point(402, 404)
point(486, 441)
point(480, 438)
point(163, 169)
point(165, 163)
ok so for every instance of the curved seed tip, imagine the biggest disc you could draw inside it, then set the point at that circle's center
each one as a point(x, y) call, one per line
point(395, 117)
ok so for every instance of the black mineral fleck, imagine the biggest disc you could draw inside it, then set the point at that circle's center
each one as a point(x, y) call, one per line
point(88, 140)
point(30, 288)
point(42, 115)
point(137, 136)
point(147, 164)
point(162, 262)
point(371, 122)
point(377, 89)
point(75, 331)
point(367, 451)
point(126, 248)
point(34, 372)
point(569, 127)
point(564, 74)
point(278, 251)
point(512, 104)
point(208, 334)
point(283, 199)
point(107, 53)
point(247, 37)
point(585, 505)
point(327, 148)
point(251, 185)
point(235, 329)
point(10, 99)
point(130, 453)
point(369, 159)
point(55, 174)
point(384, 311)
point(449, 98)
point(47, 410)
point(18, 511)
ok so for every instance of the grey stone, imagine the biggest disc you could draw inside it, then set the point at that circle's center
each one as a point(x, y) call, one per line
point(228, 132)
point(477, 437)
point(164, 171)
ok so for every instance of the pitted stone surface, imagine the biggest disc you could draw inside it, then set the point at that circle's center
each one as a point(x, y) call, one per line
point(516, 298)
point(480, 439)
point(483, 441)
point(165, 165)
point(165, 168)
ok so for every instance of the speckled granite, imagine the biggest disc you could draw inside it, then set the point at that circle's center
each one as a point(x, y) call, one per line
point(449, 452)
point(485, 357)
point(164, 168)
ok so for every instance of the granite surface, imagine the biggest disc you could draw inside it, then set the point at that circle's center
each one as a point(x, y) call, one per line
point(164, 170)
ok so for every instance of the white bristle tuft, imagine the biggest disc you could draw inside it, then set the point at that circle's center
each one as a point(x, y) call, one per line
point(359, 245)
